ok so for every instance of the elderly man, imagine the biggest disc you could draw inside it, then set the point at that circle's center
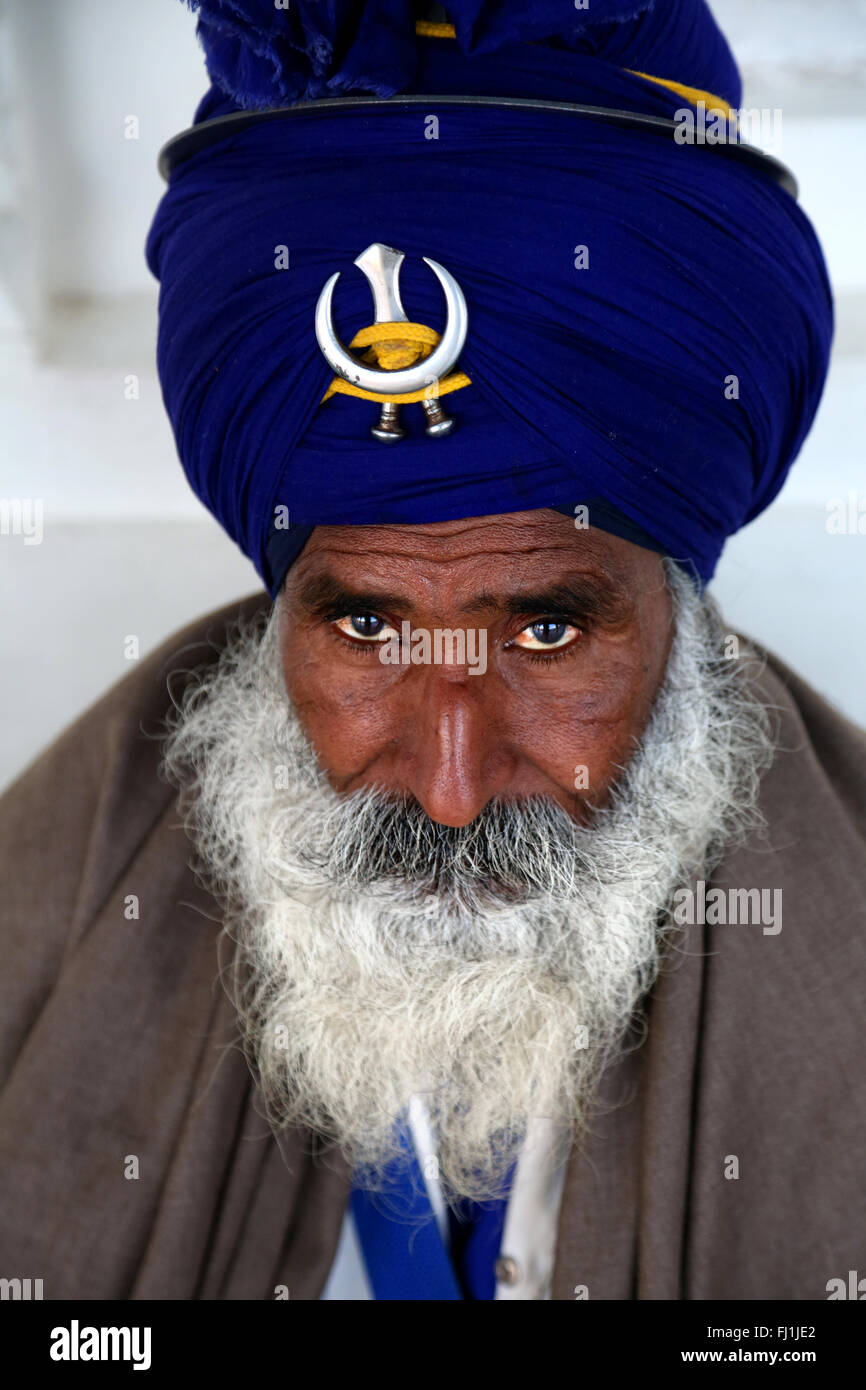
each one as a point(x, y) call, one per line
point(521, 951)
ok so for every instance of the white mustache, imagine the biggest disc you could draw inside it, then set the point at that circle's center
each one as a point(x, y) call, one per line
point(511, 852)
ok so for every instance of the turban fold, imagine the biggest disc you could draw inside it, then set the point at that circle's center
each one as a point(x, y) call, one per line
point(666, 374)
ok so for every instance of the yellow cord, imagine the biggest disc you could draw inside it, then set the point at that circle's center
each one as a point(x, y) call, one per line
point(396, 345)
point(392, 346)
point(691, 94)
point(426, 30)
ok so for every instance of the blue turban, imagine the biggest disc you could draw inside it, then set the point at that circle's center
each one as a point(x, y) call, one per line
point(666, 375)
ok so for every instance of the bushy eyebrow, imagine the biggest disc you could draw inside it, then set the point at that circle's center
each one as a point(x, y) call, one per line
point(580, 596)
point(324, 596)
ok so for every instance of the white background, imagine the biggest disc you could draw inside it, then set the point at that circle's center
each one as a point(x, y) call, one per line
point(127, 549)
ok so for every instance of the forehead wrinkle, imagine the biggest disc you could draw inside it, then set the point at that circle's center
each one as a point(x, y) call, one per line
point(376, 553)
point(459, 528)
point(530, 531)
point(318, 585)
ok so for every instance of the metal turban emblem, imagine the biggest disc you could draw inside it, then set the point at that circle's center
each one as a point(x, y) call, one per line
point(381, 266)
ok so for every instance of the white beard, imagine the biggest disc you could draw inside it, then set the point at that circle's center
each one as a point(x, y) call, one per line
point(493, 969)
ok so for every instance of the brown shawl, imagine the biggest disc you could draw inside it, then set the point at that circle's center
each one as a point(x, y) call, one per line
point(116, 1040)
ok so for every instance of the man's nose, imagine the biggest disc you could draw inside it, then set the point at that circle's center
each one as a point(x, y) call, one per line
point(456, 758)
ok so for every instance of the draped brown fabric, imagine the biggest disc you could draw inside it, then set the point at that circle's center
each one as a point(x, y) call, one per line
point(134, 1158)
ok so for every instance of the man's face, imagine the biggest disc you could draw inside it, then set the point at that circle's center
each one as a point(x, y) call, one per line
point(575, 625)
point(428, 918)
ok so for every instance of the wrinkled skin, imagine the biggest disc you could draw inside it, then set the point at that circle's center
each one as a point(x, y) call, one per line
point(569, 679)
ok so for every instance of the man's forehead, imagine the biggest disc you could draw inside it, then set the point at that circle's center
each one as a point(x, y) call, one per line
point(476, 568)
point(525, 547)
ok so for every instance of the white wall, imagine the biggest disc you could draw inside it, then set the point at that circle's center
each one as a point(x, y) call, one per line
point(127, 549)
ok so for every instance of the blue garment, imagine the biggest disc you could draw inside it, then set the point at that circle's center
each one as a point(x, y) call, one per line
point(406, 1258)
point(675, 376)
point(476, 1239)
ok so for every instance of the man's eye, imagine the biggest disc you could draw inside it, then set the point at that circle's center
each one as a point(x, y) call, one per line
point(366, 627)
point(547, 634)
